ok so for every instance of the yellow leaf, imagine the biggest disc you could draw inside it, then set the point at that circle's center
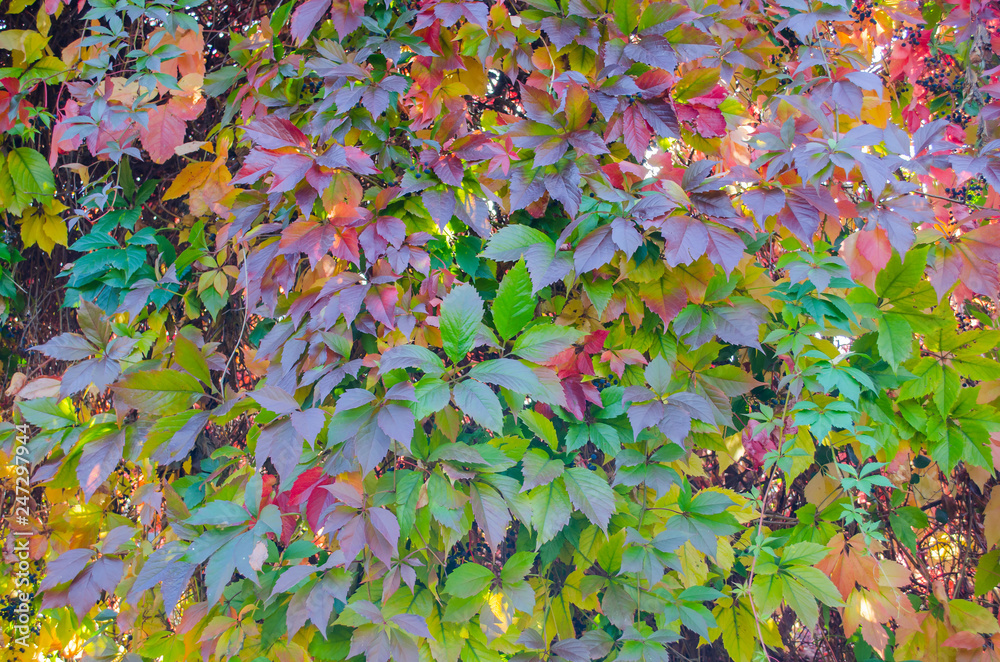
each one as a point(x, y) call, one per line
point(965, 615)
point(694, 570)
point(32, 231)
point(724, 555)
point(191, 177)
point(55, 229)
point(221, 282)
point(43, 22)
point(81, 171)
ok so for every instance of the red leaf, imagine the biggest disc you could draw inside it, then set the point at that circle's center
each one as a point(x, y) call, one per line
point(866, 254)
point(274, 133)
point(636, 133)
point(381, 303)
point(449, 169)
point(578, 394)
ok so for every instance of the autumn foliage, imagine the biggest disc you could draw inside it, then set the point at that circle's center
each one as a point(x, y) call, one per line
point(494, 330)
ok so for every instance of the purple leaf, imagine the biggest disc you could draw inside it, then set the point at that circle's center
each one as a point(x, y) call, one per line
point(305, 17)
point(309, 423)
point(291, 577)
point(685, 240)
point(564, 186)
point(763, 203)
point(354, 398)
point(397, 422)
point(100, 457)
point(65, 567)
point(724, 247)
point(67, 347)
point(371, 445)
point(561, 31)
point(491, 513)
point(440, 205)
point(275, 399)
point(525, 189)
point(182, 431)
point(625, 236)
point(413, 624)
point(595, 250)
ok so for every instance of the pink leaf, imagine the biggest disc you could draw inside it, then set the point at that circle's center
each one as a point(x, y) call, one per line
point(164, 133)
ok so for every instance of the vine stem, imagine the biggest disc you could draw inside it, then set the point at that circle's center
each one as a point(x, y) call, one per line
point(243, 327)
point(760, 527)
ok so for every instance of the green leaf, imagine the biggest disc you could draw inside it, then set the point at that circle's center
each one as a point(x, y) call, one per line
point(540, 343)
point(189, 357)
point(739, 630)
point(987, 572)
point(539, 469)
point(818, 584)
point(461, 315)
point(432, 396)
point(508, 373)
point(468, 580)
point(30, 173)
point(48, 413)
point(480, 402)
point(550, 510)
point(967, 615)
point(901, 277)
point(591, 495)
point(895, 339)
point(219, 513)
point(541, 426)
point(517, 566)
point(803, 553)
point(903, 523)
point(514, 305)
point(160, 392)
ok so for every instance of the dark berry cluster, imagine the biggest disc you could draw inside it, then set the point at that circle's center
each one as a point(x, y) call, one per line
point(907, 35)
point(974, 188)
point(959, 117)
point(938, 77)
point(861, 11)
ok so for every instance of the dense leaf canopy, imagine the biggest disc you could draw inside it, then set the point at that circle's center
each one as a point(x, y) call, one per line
point(500, 330)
